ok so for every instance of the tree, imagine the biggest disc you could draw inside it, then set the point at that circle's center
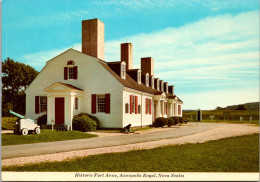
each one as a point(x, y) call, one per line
point(241, 107)
point(220, 108)
point(16, 77)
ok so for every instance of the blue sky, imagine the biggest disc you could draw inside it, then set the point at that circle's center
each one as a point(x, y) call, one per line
point(208, 49)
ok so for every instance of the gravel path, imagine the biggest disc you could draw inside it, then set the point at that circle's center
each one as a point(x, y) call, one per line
point(223, 131)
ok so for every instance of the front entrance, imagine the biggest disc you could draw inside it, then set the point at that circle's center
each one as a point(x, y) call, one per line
point(59, 110)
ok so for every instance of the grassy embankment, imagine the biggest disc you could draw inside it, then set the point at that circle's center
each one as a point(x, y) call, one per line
point(219, 116)
point(46, 135)
point(237, 154)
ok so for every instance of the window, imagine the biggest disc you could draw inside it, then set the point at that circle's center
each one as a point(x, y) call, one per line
point(76, 103)
point(152, 82)
point(101, 103)
point(147, 79)
point(71, 73)
point(43, 104)
point(126, 108)
point(139, 77)
point(133, 104)
point(166, 88)
point(123, 70)
point(148, 106)
point(161, 85)
point(158, 88)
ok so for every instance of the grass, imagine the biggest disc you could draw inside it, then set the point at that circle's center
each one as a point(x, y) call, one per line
point(237, 154)
point(255, 122)
point(8, 123)
point(118, 131)
point(46, 135)
point(219, 116)
point(108, 131)
point(141, 129)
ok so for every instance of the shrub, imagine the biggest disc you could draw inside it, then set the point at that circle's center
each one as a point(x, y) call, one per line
point(160, 122)
point(42, 120)
point(175, 120)
point(180, 119)
point(94, 118)
point(82, 122)
point(170, 122)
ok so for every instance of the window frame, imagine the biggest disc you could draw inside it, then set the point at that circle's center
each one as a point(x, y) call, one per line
point(152, 82)
point(123, 70)
point(71, 68)
point(133, 104)
point(76, 104)
point(147, 79)
point(139, 76)
point(162, 86)
point(149, 105)
point(102, 108)
point(158, 85)
point(42, 104)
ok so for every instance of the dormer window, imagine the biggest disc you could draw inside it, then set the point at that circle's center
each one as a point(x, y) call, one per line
point(158, 85)
point(147, 79)
point(162, 86)
point(139, 76)
point(70, 71)
point(123, 71)
point(166, 88)
point(152, 82)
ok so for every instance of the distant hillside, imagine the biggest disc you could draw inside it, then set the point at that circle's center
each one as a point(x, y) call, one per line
point(248, 106)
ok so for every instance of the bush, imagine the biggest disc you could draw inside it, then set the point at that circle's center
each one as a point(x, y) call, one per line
point(170, 122)
point(93, 118)
point(160, 122)
point(83, 122)
point(180, 120)
point(42, 120)
point(175, 120)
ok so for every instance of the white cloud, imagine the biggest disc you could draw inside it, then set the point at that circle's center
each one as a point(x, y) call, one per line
point(220, 51)
point(213, 5)
point(40, 21)
point(38, 60)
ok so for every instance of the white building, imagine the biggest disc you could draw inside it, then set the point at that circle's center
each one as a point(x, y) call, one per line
point(81, 82)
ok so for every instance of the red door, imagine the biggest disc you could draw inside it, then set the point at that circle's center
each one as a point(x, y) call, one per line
point(59, 110)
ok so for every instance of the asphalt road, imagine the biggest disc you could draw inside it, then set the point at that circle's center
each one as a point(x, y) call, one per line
point(26, 150)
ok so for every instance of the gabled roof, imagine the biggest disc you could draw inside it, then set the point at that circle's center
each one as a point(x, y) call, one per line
point(131, 83)
point(62, 87)
point(128, 82)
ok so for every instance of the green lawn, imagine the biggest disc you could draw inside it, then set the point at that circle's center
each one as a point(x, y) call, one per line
point(234, 115)
point(237, 154)
point(255, 122)
point(8, 123)
point(46, 135)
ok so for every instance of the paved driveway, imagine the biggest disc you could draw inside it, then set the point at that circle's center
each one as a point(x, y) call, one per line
point(25, 150)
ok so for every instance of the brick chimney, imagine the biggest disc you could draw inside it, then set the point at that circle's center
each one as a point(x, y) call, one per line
point(171, 89)
point(127, 55)
point(147, 65)
point(93, 38)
